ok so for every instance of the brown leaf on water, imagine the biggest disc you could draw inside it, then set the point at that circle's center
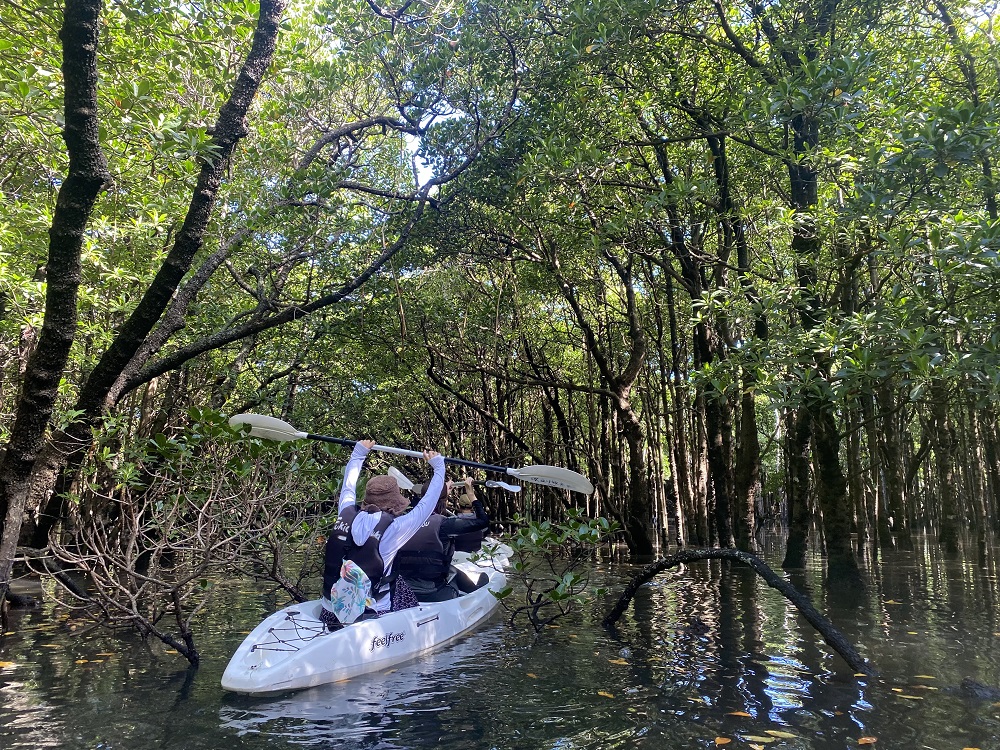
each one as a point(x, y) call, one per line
point(755, 746)
point(81, 661)
point(605, 695)
point(781, 735)
point(867, 740)
point(739, 713)
point(7, 664)
point(722, 740)
point(617, 661)
point(970, 748)
point(532, 675)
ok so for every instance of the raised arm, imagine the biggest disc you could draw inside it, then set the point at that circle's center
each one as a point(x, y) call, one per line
point(349, 492)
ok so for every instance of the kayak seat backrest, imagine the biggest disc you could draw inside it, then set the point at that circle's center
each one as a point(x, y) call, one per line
point(469, 582)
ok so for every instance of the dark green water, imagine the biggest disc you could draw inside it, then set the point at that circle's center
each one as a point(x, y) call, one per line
point(702, 646)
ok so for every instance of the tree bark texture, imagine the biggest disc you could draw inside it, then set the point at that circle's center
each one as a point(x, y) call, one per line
point(86, 177)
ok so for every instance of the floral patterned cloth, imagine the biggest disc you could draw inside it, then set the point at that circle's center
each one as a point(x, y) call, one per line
point(351, 594)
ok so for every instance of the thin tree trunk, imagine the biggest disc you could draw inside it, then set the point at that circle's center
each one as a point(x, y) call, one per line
point(798, 433)
point(86, 177)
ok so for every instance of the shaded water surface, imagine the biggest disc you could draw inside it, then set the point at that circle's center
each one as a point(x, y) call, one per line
point(707, 652)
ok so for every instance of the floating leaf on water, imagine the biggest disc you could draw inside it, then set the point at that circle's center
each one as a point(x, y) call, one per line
point(867, 740)
point(617, 661)
point(781, 735)
point(910, 697)
point(860, 674)
point(912, 632)
point(755, 746)
point(532, 675)
point(171, 651)
point(51, 645)
point(759, 739)
point(573, 635)
point(838, 713)
point(6, 664)
point(739, 713)
point(722, 740)
point(97, 661)
point(10, 633)
point(891, 601)
point(81, 661)
point(970, 748)
point(897, 690)
point(606, 695)
point(925, 677)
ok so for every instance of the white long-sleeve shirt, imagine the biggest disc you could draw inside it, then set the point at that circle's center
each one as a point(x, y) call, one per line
point(402, 528)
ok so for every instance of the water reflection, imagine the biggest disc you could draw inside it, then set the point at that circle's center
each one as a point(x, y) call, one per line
point(708, 651)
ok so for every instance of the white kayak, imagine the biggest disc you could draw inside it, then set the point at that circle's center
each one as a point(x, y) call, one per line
point(292, 649)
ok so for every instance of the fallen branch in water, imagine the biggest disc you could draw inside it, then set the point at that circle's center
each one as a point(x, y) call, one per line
point(834, 638)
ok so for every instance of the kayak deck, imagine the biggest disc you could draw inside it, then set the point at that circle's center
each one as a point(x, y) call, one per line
point(292, 649)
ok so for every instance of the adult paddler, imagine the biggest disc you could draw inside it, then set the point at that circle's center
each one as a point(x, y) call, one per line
point(357, 577)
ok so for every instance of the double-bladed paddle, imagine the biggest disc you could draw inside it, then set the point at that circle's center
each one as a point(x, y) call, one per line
point(405, 483)
point(271, 428)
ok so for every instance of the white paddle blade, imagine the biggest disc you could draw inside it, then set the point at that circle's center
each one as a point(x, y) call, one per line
point(269, 428)
point(502, 485)
point(402, 481)
point(554, 476)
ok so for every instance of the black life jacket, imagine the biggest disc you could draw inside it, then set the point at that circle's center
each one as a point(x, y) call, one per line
point(470, 541)
point(425, 557)
point(340, 546)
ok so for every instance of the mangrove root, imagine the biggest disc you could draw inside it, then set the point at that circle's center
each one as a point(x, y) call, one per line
point(834, 638)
